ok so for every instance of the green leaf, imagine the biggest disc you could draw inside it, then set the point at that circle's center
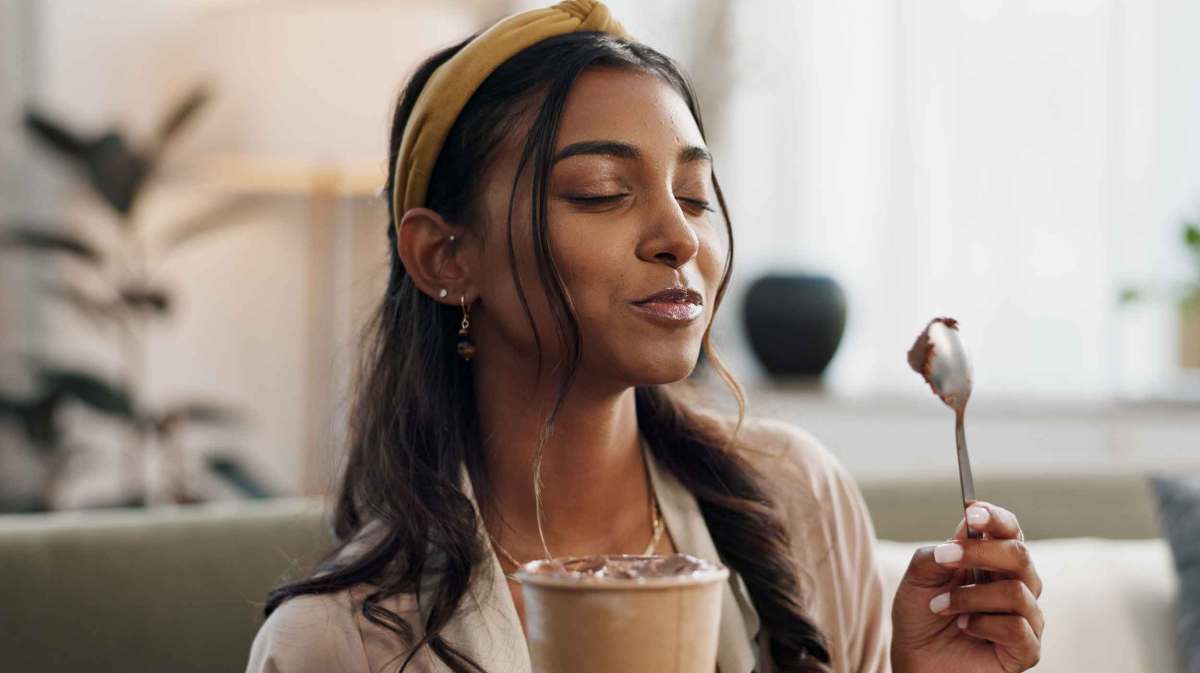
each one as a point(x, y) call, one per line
point(115, 170)
point(1128, 295)
point(97, 311)
point(35, 418)
point(1190, 299)
point(35, 238)
point(55, 135)
point(235, 474)
point(148, 299)
point(11, 406)
point(182, 111)
point(1191, 235)
point(172, 418)
point(88, 389)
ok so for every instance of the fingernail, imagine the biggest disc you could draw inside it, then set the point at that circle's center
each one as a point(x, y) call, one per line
point(948, 553)
point(962, 622)
point(940, 602)
point(977, 516)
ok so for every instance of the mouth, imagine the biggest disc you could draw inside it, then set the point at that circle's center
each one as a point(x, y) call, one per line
point(673, 295)
point(674, 305)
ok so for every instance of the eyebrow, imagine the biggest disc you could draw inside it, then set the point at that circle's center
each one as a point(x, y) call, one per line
point(623, 150)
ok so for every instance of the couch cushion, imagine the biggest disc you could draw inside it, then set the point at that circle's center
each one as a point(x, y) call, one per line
point(1179, 509)
point(1120, 505)
point(1109, 604)
point(181, 589)
point(165, 589)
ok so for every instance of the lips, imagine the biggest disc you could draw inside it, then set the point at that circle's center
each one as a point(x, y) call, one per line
point(673, 295)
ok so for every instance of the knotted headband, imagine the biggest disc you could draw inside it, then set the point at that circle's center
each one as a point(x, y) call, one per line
point(453, 83)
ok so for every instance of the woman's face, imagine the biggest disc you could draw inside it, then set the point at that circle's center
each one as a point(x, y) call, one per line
point(645, 230)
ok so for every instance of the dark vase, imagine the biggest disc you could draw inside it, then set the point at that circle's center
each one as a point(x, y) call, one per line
point(794, 322)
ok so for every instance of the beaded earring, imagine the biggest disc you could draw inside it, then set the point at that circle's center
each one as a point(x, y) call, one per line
point(466, 349)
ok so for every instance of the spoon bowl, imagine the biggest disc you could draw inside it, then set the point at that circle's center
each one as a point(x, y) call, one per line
point(940, 356)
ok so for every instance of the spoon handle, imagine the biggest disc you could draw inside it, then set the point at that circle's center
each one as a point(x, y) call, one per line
point(974, 575)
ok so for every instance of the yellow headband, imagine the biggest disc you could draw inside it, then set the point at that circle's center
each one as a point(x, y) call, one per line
point(453, 83)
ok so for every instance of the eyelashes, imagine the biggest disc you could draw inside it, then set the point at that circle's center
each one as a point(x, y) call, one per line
point(702, 205)
point(612, 198)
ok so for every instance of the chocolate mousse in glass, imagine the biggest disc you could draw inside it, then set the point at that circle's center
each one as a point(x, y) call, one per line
point(604, 614)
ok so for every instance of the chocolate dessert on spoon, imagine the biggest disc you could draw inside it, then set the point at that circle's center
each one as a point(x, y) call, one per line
point(940, 357)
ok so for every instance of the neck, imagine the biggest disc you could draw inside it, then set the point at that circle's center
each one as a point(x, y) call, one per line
point(595, 490)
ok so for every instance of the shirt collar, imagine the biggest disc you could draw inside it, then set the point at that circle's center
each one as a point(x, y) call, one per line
point(493, 627)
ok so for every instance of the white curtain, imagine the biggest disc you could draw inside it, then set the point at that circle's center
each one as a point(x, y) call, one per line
point(1011, 164)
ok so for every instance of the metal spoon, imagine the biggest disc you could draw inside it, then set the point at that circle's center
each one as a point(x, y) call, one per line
point(941, 358)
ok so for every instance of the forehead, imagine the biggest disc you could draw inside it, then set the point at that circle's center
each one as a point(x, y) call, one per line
point(629, 105)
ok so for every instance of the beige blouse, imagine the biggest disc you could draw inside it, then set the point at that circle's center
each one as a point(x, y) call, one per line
point(832, 544)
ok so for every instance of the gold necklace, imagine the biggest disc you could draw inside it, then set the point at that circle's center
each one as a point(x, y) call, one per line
point(656, 526)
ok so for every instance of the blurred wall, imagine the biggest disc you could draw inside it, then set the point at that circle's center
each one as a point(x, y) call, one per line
point(1012, 164)
point(17, 183)
point(311, 83)
point(18, 314)
point(1052, 143)
point(269, 306)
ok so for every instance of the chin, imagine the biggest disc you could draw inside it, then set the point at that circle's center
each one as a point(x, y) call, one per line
point(660, 370)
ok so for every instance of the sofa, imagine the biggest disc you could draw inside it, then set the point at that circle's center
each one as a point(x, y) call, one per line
point(181, 588)
point(1110, 584)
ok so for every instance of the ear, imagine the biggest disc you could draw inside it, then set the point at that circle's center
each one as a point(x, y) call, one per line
point(433, 260)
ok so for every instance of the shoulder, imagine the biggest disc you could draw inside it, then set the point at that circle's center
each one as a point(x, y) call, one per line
point(324, 633)
point(309, 633)
point(831, 534)
point(819, 498)
point(793, 463)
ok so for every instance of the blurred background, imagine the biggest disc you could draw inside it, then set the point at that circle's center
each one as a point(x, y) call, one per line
point(1028, 168)
point(191, 235)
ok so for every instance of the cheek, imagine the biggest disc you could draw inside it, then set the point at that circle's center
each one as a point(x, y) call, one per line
point(714, 249)
point(583, 263)
point(594, 262)
point(505, 317)
point(501, 274)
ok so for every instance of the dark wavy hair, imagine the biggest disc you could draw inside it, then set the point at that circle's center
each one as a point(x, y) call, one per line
point(414, 421)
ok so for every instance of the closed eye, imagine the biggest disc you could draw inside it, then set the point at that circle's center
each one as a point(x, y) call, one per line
point(597, 199)
point(610, 198)
point(701, 204)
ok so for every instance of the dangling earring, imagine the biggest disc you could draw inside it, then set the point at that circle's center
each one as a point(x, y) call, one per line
point(466, 349)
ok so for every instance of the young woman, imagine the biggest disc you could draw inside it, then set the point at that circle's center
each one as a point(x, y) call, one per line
point(559, 248)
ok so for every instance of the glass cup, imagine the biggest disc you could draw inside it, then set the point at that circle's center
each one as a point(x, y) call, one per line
point(620, 613)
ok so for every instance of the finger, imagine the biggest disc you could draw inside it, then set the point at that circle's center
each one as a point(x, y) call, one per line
point(960, 533)
point(1011, 632)
point(997, 522)
point(1005, 596)
point(924, 571)
point(1010, 556)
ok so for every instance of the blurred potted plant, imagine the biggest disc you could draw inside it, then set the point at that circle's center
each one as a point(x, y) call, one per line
point(1187, 293)
point(114, 284)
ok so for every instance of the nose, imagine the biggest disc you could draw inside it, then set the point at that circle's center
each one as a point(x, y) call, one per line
point(669, 237)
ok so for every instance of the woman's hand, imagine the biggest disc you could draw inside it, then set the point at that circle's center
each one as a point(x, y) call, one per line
point(1003, 623)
